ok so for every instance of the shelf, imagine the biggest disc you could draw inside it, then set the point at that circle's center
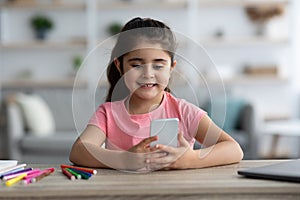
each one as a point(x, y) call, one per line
point(249, 41)
point(35, 84)
point(191, 10)
point(48, 45)
point(237, 80)
point(143, 5)
point(248, 79)
point(44, 6)
point(183, 4)
point(244, 3)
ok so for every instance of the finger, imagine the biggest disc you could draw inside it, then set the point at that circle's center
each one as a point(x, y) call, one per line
point(156, 166)
point(146, 142)
point(163, 167)
point(161, 160)
point(134, 161)
point(165, 148)
point(155, 148)
point(156, 155)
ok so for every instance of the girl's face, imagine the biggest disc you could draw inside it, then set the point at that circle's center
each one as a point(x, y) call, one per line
point(147, 72)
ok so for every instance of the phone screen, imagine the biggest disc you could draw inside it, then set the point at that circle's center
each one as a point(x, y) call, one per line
point(166, 130)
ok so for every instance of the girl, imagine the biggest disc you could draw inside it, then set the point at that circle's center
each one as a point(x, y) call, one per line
point(141, 62)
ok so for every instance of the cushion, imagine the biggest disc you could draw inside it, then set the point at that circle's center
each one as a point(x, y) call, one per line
point(37, 115)
point(233, 109)
point(15, 121)
point(51, 144)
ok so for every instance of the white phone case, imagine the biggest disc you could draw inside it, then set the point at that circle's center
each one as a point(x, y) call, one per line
point(166, 130)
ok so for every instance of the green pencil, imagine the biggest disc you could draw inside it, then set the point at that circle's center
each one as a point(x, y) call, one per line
point(78, 176)
point(84, 175)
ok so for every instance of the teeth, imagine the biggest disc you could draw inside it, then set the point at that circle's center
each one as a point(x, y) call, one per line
point(148, 85)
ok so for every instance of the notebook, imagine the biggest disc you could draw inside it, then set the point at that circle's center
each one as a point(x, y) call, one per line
point(7, 163)
point(284, 171)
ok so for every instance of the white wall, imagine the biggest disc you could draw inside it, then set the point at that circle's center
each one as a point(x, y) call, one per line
point(232, 20)
point(295, 88)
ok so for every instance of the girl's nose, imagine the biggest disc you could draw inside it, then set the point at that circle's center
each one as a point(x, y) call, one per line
point(148, 72)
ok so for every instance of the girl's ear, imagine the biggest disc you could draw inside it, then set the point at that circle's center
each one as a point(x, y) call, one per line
point(173, 65)
point(118, 65)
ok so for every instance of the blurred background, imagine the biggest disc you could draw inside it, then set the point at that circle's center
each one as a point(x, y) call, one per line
point(253, 44)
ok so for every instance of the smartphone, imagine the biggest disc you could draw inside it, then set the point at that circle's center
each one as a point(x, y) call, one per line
point(166, 130)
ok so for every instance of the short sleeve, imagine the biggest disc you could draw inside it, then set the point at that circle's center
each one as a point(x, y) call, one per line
point(191, 116)
point(99, 119)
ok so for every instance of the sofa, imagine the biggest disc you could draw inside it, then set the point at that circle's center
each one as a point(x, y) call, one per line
point(50, 134)
point(239, 122)
point(19, 142)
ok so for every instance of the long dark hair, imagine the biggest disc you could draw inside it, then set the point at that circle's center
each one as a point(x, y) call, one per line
point(138, 28)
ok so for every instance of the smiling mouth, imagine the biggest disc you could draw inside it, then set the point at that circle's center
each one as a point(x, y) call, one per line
point(148, 85)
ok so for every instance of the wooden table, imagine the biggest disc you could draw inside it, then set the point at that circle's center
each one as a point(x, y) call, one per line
point(211, 183)
point(279, 128)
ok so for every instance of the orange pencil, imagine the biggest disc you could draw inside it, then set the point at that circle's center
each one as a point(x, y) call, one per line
point(92, 171)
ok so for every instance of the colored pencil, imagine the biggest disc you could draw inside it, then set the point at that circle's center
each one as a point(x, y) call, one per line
point(9, 169)
point(51, 169)
point(27, 172)
point(30, 178)
point(92, 171)
point(78, 176)
point(68, 174)
point(18, 171)
point(15, 174)
point(84, 175)
point(45, 173)
point(26, 181)
point(12, 171)
point(33, 174)
point(14, 180)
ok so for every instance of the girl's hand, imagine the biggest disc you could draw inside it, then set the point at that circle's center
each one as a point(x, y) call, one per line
point(175, 157)
point(135, 158)
point(143, 146)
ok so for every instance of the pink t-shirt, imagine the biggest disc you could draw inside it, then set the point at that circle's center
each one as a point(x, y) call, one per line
point(124, 130)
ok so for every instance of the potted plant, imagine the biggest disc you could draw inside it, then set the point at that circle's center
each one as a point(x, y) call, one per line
point(114, 28)
point(41, 25)
point(77, 61)
point(262, 14)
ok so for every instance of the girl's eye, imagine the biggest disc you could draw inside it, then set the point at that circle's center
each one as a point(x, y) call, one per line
point(137, 66)
point(158, 66)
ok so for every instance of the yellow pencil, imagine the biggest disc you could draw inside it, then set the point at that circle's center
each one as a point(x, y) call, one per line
point(14, 180)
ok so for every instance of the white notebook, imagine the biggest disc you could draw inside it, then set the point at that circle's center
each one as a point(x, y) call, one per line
point(4, 164)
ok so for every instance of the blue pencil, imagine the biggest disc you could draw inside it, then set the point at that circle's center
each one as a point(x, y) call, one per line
point(16, 172)
point(84, 175)
point(10, 169)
